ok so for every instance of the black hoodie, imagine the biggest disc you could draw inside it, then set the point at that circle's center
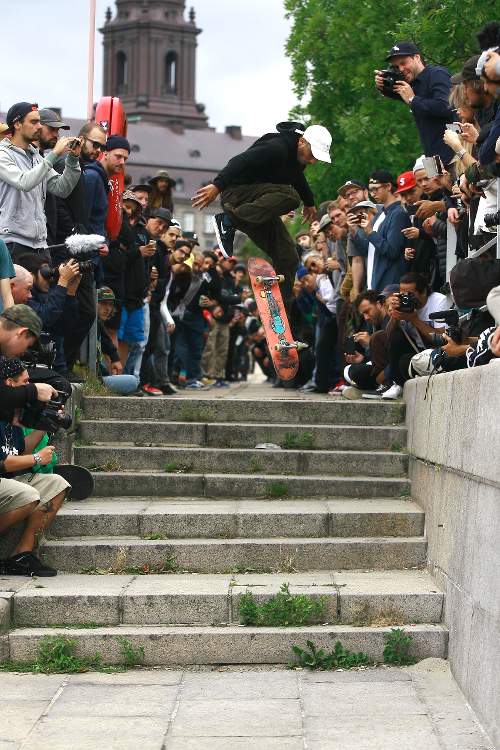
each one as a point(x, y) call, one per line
point(272, 159)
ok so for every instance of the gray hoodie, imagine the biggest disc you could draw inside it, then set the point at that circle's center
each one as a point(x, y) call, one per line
point(25, 177)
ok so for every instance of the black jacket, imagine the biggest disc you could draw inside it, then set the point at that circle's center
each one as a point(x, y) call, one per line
point(431, 110)
point(271, 159)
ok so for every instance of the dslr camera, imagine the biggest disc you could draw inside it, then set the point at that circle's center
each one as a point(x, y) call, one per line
point(408, 303)
point(43, 356)
point(451, 319)
point(46, 416)
point(391, 76)
point(492, 220)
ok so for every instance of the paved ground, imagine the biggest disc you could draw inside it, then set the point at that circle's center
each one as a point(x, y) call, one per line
point(419, 708)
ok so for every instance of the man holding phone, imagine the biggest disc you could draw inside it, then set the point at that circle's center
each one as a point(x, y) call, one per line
point(25, 178)
point(425, 89)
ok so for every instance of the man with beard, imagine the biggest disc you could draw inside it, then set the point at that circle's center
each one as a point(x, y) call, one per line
point(47, 137)
point(25, 178)
point(425, 89)
point(161, 191)
point(262, 184)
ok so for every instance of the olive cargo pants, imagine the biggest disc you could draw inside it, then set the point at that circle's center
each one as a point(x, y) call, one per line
point(256, 210)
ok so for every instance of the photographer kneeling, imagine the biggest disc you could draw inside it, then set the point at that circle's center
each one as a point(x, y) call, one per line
point(25, 495)
point(410, 330)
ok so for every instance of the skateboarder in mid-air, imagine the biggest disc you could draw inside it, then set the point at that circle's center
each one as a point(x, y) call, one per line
point(263, 183)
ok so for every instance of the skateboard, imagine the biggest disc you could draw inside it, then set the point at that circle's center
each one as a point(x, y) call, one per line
point(110, 114)
point(80, 479)
point(283, 349)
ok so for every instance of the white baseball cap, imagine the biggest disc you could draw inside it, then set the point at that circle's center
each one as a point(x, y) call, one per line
point(320, 141)
point(419, 164)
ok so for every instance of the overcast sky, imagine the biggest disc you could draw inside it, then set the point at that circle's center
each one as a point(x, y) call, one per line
point(243, 74)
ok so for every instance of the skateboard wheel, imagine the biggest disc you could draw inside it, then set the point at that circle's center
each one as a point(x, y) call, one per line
point(280, 278)
point(258, 279)
point(300, 345)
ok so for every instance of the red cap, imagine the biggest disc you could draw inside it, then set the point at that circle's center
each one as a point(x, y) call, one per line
point(406, 181)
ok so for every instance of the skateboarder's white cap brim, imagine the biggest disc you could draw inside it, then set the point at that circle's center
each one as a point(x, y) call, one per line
point(320, 142)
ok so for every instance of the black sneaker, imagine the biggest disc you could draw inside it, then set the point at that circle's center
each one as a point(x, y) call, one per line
point(224, 231)
point(27, 564)
point(167, 389)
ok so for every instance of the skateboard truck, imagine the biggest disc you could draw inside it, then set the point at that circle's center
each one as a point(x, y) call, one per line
point(279, 279)
point(298, 345)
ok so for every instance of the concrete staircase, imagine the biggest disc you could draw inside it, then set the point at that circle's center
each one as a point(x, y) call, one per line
point(181, 489)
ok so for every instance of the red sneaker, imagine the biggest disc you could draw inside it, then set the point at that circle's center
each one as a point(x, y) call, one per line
point(150, 390)
point(337, 389)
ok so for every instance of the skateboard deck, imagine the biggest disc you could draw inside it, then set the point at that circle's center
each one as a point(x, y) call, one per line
point(282, 347)
point(110, 114)
point(80, 479)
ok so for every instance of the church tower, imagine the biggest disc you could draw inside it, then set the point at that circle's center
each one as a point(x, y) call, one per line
point(150, 62)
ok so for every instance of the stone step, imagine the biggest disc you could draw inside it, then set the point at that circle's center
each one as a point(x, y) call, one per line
point(389, 597)
point(243, 435)
point(126, 554)
point(291, 411)
point(161, 484)
point(201, 518)
point(243, 461)
point(169, 646)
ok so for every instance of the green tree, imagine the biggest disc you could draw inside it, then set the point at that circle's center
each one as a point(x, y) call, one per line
point(334, 47)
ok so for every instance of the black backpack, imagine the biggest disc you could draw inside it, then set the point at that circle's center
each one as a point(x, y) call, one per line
point(472, 279)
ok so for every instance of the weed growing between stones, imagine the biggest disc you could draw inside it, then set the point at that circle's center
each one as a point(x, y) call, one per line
point(396, 652)
point(277, 489)
point(172, 467)
point(57, 655)
point(339, 658)
point(396, 446)
point(397, 648)
point(255, 465)
point(132, 657)
point(120, 567)
point(93, 386)
point(302, 440)
point(284, 609)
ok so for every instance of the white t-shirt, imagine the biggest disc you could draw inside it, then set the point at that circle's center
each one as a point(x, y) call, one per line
point(435, 303)
point(371, 252)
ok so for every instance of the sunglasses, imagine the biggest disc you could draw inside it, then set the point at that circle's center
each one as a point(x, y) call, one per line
point(96, 145)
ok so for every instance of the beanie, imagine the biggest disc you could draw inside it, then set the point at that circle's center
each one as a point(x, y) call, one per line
point(117, 141)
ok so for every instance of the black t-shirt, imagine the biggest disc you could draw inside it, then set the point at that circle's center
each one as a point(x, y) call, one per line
point(11, 444)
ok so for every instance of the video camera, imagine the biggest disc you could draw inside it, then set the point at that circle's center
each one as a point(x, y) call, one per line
point(451, 319)
point(43, 356)
point(391, 76)
point(46, 416)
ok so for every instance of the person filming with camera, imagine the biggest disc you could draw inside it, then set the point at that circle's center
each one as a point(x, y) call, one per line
point(53, 298)
point(425, 89)
point(25, 495)
point(411, 329)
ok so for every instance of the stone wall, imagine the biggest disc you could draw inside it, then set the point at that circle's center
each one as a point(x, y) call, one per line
point(454, 445)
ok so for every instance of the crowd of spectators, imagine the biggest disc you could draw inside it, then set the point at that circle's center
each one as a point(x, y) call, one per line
point(371, 295)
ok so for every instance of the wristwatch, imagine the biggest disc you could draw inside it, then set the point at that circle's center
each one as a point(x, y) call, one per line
point(37, 457)
point(461, 153)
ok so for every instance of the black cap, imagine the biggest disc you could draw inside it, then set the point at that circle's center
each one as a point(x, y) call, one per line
point(161, 213)
point(141, 186)
point(19, 111)
point(192, 237)
point(52, 119)
point(468, 72)
point(402, 48)
point(117, 141)
point(381, 175)
point(182, 243)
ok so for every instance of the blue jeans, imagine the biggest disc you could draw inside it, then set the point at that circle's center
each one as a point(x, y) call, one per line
point(121, 384)
point(189, 344)
point(136, 351)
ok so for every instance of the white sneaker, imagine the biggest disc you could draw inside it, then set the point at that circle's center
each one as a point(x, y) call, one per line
point(395, 391)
